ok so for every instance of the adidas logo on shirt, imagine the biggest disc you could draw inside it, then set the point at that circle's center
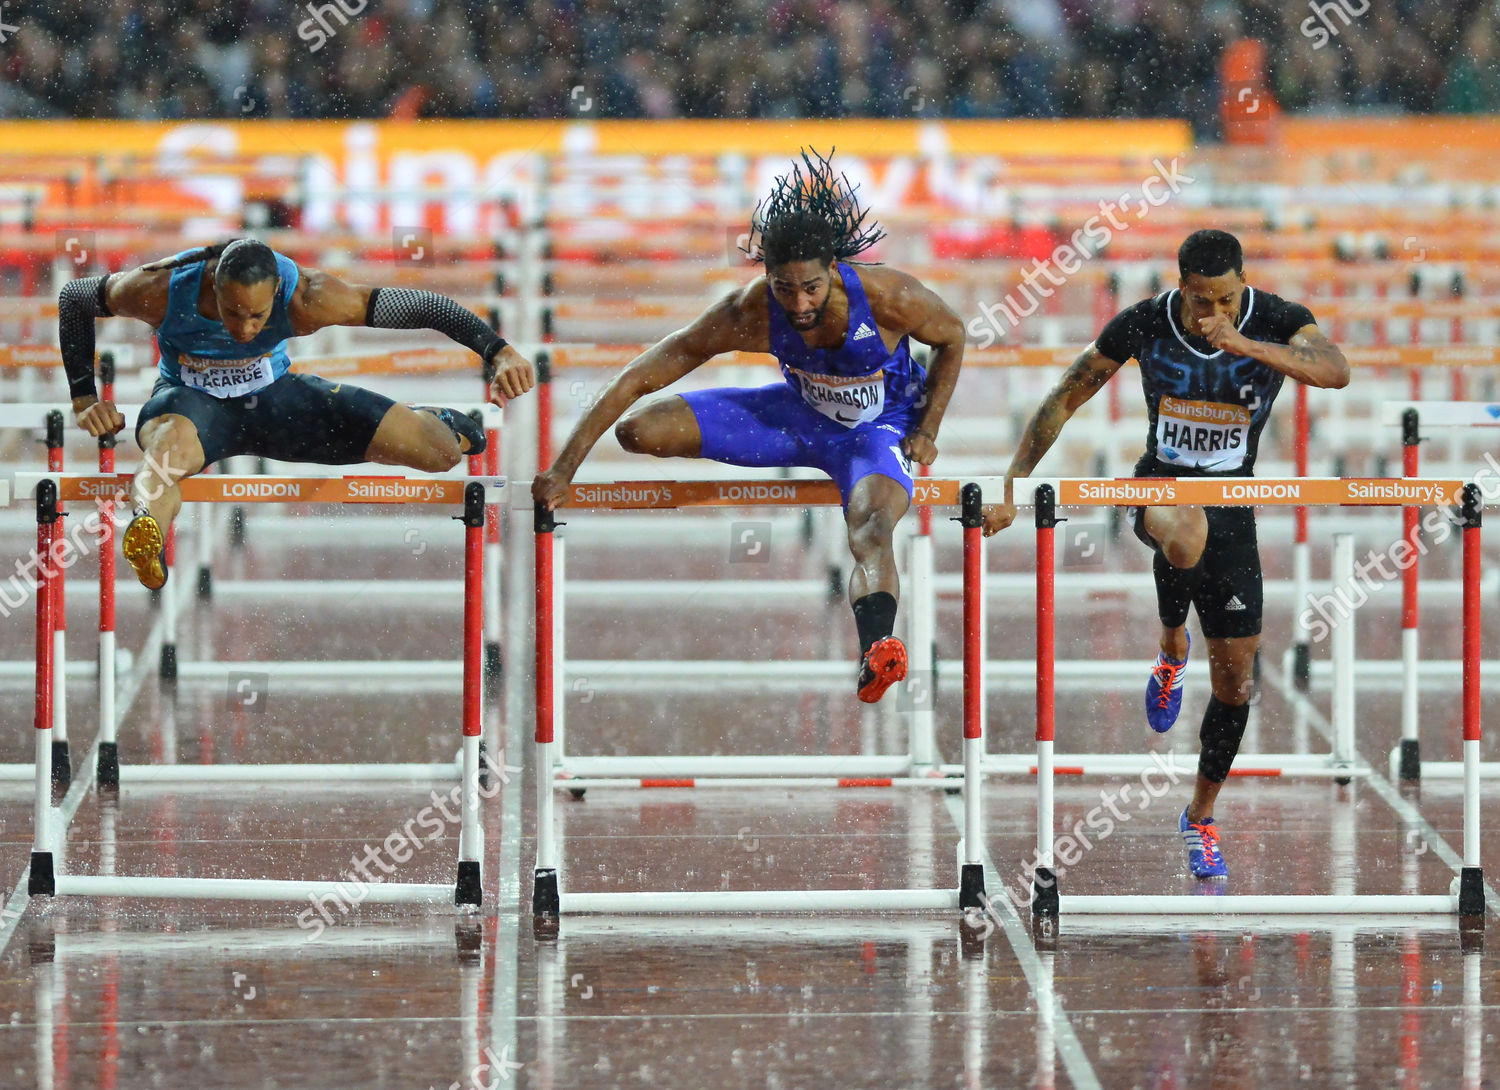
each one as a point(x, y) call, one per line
point(1234, 603)
point(864, 330)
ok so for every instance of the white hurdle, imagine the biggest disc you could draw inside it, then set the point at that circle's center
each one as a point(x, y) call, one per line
point(918, 767)
point(1412, 417)
point(47, 878)
point(1466, 897)
point(549, 896)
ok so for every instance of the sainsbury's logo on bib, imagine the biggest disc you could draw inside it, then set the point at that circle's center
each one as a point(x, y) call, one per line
point(1203, 434)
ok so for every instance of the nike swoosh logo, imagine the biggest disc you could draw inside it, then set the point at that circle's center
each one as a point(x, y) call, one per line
point(842, 419)
point(337, 388)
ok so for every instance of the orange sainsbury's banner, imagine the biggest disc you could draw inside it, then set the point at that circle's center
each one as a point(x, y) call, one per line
point(369, 175)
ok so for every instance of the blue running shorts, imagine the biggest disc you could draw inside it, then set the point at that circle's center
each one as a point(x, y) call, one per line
point(773, 426)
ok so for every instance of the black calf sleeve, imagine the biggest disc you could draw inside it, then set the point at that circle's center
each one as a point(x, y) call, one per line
point(875, 618)
point(1175, 588)
point(1223, 727)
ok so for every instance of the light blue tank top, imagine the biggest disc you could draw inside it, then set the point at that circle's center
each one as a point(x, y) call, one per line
point(198, 352)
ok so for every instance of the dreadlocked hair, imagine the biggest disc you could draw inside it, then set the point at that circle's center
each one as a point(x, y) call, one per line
point(810, 217)
point(241, 261)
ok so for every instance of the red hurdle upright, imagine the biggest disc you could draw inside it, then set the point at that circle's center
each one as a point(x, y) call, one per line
point(42, 879)
point(62, 766)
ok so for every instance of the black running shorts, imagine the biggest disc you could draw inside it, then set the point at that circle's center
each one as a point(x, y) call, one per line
point(298, 418)
point(1230, 598)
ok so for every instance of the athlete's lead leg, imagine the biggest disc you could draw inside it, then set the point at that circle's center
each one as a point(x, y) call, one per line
point(876, 504)
point(172, 451)
point(1181, 534)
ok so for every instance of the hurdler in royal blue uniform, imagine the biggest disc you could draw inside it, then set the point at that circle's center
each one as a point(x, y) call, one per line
point(844, 410)
point(1213, 354)
point(851, 402)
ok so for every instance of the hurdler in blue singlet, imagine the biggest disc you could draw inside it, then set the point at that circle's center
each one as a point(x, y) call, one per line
point(842, 410)
point(199, 353)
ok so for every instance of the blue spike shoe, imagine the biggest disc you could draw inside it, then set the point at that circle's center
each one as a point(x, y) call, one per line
point(1202, 841)
point(1164, 691)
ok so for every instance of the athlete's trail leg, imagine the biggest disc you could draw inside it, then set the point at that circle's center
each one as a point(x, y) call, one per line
point(172, 451)
point(665, 428)
point(416, 440)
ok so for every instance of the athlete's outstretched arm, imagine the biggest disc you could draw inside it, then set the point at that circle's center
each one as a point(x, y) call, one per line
point(723, 327)
point(134, 294)
point(322, 300)
point(1081, 381)
point(919, 312)
point(1308, 356)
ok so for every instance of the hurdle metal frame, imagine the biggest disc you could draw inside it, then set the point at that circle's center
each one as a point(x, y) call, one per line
point(1467, 898)
point(1411, 417)
point(472, 496)
point(549, 899)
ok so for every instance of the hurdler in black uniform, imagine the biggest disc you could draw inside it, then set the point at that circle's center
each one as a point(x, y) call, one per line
point(1213, 353)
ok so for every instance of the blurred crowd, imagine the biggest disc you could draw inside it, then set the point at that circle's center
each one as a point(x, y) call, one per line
point(735, 58)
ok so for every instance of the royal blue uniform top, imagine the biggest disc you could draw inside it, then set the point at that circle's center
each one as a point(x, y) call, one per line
point(1206, 407)
point(841, 382)
point(217, 363)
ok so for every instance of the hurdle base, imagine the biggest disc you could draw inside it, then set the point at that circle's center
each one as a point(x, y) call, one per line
point(205, 583)
point(43, 879)
point(1410, 761)
point(1044, 892)
point(971, 886)
point(62, 766)
point(1454, 770)
point(1369, 904)
point(1471, 892)
point(809, 901)
point(246, 889)
point(492, 665)
point(545, 899)
point(167, 669)
point(468, 890)
point(109, 766)
point(1302, 666)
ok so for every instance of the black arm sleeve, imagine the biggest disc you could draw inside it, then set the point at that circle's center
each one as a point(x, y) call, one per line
point(78, 304)
point(410, 308)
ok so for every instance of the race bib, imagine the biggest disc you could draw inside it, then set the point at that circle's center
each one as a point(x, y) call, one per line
point(849, 400)
point(225, 378)
point(1202, 434)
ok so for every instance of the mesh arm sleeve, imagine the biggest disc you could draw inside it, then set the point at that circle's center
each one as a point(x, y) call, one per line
point(78, 304)
point(410, 308)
